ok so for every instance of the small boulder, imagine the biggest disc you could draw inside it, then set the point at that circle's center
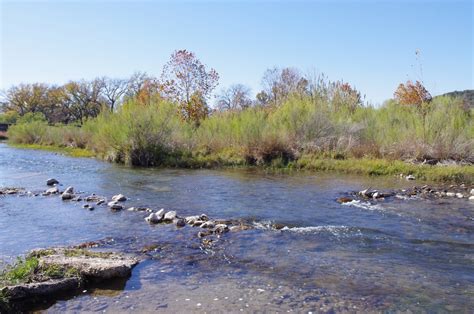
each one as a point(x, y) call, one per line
point(116, 207)
point(67, 196)
point(471, 198)
point(69, 190)
point(191, 219)
point(119, 198)
point(221, 228)
point(459, 195)
point(154, 218)
point(450, 194)
point(161, 213)
point(410, 177)
point(179, 222)
point(208, 224)
point(51, 191)
point(472, 191)
point(51, 182)
point(100, 202)
point(170, 216)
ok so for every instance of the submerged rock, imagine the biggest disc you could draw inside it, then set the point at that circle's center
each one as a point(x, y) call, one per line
point(343, 200)
point(52, 181)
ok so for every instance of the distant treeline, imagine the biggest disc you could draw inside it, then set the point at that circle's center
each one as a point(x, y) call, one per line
point(167, 121)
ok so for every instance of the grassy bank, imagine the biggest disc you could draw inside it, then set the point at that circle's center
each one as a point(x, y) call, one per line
point(319, 133)
point(361, 166)
point(69, 151)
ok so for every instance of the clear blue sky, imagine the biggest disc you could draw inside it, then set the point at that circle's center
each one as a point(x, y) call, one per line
point(370, 44)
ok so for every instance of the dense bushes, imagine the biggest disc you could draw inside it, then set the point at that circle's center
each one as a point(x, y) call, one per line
point(154, 134)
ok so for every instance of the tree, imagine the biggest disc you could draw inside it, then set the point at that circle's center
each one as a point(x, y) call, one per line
point(26, 98)
point(195, 110)
point(278, 84)
point(84, 99)
point(236, 97)
point(184, 76)
point(136, 83)
point(113, 90)
point(414, 94)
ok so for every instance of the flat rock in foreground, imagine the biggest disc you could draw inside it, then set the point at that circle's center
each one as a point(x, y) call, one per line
point(74, 268)
point(94, 265)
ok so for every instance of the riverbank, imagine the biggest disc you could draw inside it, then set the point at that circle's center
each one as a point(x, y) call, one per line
point(363, 166)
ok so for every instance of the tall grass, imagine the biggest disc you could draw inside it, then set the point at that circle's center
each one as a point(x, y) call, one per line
point(152, 135)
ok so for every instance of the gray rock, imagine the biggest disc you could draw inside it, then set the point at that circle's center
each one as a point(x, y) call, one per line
point(51, 191)
point(154, 218)
point(69, 190)
point(51, 181)
point(221, 228)
point(66, 196)
point(191, 219)
point(170, 216)
point(161, 213)
point(410, 177)
point(110, 266)
point(208, 224)
point(119, 198)
point(116, 207)
point(459, 195)
point(179, 222)
point(472, 191)
point(100, 202)
point(471, 198)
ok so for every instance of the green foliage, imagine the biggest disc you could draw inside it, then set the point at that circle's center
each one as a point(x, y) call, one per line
point(10, 117)
point(21, 271)
point(325, 128)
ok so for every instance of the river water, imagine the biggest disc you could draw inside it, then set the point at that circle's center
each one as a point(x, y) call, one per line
point(399, 255)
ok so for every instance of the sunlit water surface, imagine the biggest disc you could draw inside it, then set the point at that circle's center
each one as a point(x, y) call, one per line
point(403, 255)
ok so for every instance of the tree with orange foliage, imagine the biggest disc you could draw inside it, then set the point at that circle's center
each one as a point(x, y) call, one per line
point(414, 94)
point(188, 82)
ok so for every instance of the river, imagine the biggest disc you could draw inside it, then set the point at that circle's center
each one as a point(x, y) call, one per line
point(398, 255)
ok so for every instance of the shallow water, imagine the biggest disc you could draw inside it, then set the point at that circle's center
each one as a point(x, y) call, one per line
point(397, 255)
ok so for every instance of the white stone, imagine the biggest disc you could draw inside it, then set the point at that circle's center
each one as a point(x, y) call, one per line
point(169, 216)
point(119, 198)
point(153, 218)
